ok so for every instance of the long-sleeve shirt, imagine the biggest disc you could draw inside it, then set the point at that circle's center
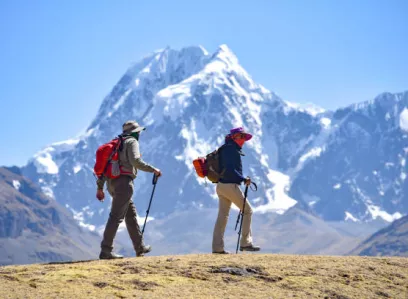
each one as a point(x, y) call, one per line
point(129, 160)
point(231, 163)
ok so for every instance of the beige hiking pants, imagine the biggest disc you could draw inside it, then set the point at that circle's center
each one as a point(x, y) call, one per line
point(231, 193)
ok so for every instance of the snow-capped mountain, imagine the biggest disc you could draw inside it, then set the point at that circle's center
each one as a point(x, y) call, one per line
point(360, 172)
point(189, 99)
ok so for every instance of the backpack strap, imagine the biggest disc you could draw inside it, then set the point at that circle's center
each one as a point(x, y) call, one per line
point(121, 142)
point(219, 160)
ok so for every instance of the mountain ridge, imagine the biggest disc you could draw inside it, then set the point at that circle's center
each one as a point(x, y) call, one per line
point(389, 241)
point(195, 97)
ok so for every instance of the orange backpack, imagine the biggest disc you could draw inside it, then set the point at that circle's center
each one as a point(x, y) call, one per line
point(209, 166)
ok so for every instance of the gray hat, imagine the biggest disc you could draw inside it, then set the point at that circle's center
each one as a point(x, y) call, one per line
point(132, 126)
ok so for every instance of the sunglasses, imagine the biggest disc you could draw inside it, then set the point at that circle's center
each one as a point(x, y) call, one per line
point(239, 136)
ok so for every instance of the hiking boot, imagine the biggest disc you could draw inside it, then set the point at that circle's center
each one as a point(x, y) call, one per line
point(109, 256)
point(143, 250)
point(249, 248)
point(220, 252)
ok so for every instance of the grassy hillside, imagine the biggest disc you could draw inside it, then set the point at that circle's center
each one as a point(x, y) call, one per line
point(211, 276)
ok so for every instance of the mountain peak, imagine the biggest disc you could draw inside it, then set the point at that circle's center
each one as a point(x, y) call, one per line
point(225, 54)
point(225, 48)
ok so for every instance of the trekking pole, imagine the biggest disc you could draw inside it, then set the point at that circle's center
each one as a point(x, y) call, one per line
point(242, 218)
point(241, 214)
point(154, 182)
point(238, 218)
point(246, 193)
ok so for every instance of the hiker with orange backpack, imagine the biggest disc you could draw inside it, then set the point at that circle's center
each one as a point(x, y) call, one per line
point(229, 192)
point(116, 164)
point(224, 167)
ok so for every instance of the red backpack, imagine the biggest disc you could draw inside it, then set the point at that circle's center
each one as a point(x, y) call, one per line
point(107, 159)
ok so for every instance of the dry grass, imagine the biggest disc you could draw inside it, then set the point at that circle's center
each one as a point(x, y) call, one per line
point(197, 276)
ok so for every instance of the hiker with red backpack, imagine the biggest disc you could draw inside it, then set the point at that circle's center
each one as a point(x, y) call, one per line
point(116, 164)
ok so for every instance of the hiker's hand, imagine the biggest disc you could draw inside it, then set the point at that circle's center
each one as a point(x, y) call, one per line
point(100, 195)
point(157, 173)
point(247, 182)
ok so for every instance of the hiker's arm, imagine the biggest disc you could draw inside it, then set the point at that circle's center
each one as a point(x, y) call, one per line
point(101, 182)
point(230, 159)
point(135, 158)
point(239, 175)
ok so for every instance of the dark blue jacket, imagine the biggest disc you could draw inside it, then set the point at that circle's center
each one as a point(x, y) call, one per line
point(231, 163)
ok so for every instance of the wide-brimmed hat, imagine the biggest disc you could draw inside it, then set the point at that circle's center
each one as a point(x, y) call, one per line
point(240, 130)
point(132, 126)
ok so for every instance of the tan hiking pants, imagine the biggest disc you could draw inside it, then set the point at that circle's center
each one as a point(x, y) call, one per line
point(231, 193)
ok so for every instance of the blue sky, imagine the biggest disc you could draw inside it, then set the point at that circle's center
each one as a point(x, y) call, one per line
point(58, 59)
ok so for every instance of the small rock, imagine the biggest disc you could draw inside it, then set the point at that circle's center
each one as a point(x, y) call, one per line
point(100, 284)
point(229, 280)
point(236, 271)
point(33, 285)
point(270, 278)
point(144, 285)
point(383, 294)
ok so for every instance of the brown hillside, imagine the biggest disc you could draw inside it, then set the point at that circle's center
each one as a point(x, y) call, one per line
point(211, 276)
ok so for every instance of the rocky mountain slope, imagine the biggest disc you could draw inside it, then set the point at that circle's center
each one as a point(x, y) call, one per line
point(35, 228)
point(389, 241)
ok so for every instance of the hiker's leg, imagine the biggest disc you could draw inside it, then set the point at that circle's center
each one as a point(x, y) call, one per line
point(221, 223)
point(237, 197)
point(133, 228)
point(122, 190)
